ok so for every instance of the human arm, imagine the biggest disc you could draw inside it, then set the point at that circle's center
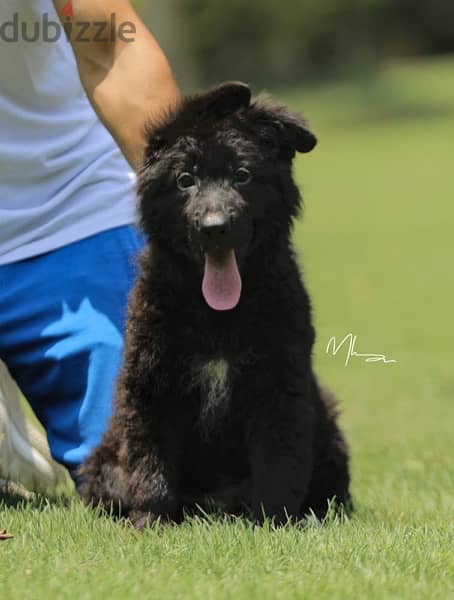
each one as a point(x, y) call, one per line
point(129, 83)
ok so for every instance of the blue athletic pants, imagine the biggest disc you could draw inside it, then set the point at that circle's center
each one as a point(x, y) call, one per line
point(62, 316)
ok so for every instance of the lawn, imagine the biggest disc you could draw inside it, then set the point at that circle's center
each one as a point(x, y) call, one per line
point(377, 248)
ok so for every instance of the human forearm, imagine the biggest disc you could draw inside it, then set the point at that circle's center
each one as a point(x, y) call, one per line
point(129, 83)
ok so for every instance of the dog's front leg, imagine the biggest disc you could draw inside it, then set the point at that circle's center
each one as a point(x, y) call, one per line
point(150, 455)
point(280, 438)
point(135, 470)
point(153, 492)
point(150, 458)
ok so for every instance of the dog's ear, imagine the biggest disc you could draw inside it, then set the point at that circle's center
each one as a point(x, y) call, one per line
point(226, 99)
point(291, 131)
point(219, 102)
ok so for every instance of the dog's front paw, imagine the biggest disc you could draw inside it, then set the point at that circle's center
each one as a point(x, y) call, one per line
point(140, 520)
point(277, 514)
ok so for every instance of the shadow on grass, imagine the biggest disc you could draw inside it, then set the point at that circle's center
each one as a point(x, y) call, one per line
point(208, 514)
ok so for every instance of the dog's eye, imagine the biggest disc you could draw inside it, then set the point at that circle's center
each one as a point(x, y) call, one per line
point(243, 176)
point(185, 181)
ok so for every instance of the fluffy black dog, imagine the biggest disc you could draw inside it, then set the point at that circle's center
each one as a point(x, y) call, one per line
point(217, 397)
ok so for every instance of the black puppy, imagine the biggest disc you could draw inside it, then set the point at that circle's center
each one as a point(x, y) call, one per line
point(217, 397)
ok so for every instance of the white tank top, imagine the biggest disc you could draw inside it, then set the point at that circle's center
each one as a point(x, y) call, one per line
point(62, 177)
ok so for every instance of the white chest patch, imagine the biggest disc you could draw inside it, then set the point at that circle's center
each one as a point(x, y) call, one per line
point(213, 379)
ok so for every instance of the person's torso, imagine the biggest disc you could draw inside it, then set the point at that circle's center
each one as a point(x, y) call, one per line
point(62, 177)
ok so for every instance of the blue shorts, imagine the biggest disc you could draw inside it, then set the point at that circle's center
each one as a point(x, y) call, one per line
point(62, 317)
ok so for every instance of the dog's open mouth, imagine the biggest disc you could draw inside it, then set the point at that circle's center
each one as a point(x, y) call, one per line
point(221, 285)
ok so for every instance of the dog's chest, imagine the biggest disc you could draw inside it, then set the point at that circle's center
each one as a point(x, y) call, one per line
point(212, 378)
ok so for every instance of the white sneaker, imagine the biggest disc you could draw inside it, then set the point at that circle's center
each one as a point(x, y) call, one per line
point(24, 454)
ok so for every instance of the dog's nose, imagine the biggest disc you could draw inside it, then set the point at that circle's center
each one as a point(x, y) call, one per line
point(214, 229)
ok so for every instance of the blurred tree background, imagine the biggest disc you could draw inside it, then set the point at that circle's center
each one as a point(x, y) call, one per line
point(281, 42)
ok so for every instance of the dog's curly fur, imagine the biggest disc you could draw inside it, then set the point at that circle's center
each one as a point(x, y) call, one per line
point(214, 404)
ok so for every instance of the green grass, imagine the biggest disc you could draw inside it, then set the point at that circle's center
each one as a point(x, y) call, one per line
point(378, 258)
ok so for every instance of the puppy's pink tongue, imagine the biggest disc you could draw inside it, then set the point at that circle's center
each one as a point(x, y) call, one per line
point(221, 285)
